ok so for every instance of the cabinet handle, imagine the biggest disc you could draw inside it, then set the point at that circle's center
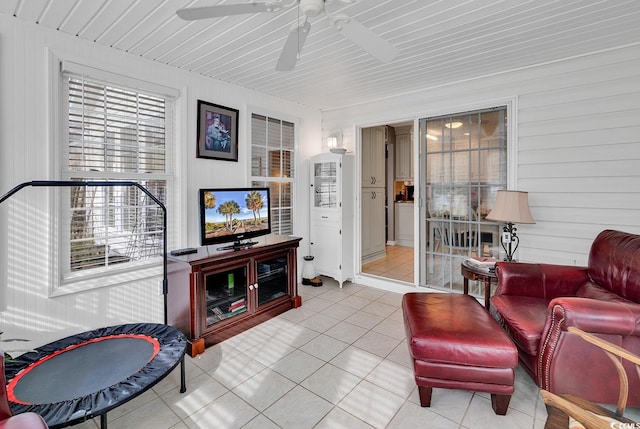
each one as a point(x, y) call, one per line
point(250, 287)
point(256, 285)
point(325, 217)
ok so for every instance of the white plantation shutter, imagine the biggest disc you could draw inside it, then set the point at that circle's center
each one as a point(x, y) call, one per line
point(272, 165)
point(115, 130)
point(116, 133)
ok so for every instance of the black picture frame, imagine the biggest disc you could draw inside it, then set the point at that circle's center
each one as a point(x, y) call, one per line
point(217, 132)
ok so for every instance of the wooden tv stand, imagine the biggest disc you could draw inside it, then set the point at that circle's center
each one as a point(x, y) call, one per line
point(215, 294)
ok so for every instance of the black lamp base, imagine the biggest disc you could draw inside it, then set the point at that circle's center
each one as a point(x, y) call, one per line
point(510, 243)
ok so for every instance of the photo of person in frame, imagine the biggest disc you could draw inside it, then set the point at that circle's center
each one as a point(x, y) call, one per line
point(217, 135)
point(217, 132)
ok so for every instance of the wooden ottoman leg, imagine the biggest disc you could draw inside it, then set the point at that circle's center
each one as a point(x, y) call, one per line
point(425, 396)
point(500, 403)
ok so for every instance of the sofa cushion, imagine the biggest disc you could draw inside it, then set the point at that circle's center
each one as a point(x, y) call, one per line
point(614, 263)
point(523, 318)
point(594, 291)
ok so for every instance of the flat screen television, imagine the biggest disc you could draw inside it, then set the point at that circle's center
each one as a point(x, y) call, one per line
point(234, 215)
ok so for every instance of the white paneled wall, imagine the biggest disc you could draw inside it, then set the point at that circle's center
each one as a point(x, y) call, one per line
point(576, 137)
point(28, 152)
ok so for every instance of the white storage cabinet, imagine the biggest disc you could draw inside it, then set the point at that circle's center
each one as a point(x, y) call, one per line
point(332, 215)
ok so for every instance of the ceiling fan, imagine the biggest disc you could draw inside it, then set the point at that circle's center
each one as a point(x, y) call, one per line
point(347, 26)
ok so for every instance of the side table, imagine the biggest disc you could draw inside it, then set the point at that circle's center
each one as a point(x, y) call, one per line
point(470, 272)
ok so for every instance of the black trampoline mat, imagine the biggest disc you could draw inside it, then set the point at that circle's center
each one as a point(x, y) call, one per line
point(83, 369)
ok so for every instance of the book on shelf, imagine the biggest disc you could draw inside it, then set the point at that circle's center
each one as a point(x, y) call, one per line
point(237, 304)
point(218, 313)
point(237, 310)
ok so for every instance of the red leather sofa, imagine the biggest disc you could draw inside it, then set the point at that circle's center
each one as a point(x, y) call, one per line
point(535, 303)
point(18, 421)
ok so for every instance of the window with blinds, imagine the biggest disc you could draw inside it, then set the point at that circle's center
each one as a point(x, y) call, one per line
point(272, 165)
point(114, 133)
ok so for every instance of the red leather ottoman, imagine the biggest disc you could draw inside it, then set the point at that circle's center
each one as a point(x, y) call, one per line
point(456, 344)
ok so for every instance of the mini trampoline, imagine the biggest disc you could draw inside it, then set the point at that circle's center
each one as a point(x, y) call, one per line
point(86, 375)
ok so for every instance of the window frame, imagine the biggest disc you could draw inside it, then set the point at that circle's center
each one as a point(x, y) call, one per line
point(269, 181)
point(63, 281)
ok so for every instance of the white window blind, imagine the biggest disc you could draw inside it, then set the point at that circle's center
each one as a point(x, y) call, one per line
point(114, 130)
point(114, 133)
point(273, 165)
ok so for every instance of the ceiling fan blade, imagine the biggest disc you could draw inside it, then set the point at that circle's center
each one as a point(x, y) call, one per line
point(367, 39)
point(193, 13)
point(292, 47)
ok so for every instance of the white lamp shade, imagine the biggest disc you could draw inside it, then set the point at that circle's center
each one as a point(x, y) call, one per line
point(511, 206)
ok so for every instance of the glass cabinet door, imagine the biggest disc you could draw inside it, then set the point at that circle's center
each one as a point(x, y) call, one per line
point(225, 294)
point(273, 281)
point(325, 187)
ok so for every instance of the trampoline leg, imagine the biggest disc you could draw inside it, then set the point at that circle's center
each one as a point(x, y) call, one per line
point(183, 384)
point(103, 421)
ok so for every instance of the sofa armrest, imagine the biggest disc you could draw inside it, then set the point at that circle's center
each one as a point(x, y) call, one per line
point(563, 355)
point(594, 316)
point(545, 281)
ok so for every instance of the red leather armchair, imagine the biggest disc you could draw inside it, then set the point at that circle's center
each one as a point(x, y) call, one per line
point(535, 303)
point(19, 421)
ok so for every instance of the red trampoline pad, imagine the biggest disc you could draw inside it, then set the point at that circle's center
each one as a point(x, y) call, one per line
point(82, 369)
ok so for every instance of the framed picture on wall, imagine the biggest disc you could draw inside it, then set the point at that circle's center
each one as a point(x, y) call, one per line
point(217, 132)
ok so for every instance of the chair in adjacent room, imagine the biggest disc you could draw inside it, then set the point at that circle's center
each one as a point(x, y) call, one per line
point(457, 237)
point(570, 411)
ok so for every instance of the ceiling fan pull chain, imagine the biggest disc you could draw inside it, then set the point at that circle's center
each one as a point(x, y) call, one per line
point(298, 33)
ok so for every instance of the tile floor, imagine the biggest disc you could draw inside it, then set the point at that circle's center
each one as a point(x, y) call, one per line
point(396, 265)
point(340, 361)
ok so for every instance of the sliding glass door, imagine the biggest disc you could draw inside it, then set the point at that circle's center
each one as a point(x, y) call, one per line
point(464, 165)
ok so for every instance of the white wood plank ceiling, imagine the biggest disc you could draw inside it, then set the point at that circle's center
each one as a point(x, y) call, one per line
point(440, 41)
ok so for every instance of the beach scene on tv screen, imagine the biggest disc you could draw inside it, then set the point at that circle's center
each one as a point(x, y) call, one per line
point(235, 212)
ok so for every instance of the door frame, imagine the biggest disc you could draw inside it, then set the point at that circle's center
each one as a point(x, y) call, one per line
point(369, 279)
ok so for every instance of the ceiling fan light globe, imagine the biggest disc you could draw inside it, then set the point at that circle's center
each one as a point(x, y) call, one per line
point(311, 8)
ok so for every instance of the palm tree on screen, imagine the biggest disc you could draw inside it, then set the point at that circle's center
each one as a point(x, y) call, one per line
point(228, 209)
point(209, 200)
point(254, 203)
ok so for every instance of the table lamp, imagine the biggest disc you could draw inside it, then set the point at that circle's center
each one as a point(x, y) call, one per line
point(511, 207)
